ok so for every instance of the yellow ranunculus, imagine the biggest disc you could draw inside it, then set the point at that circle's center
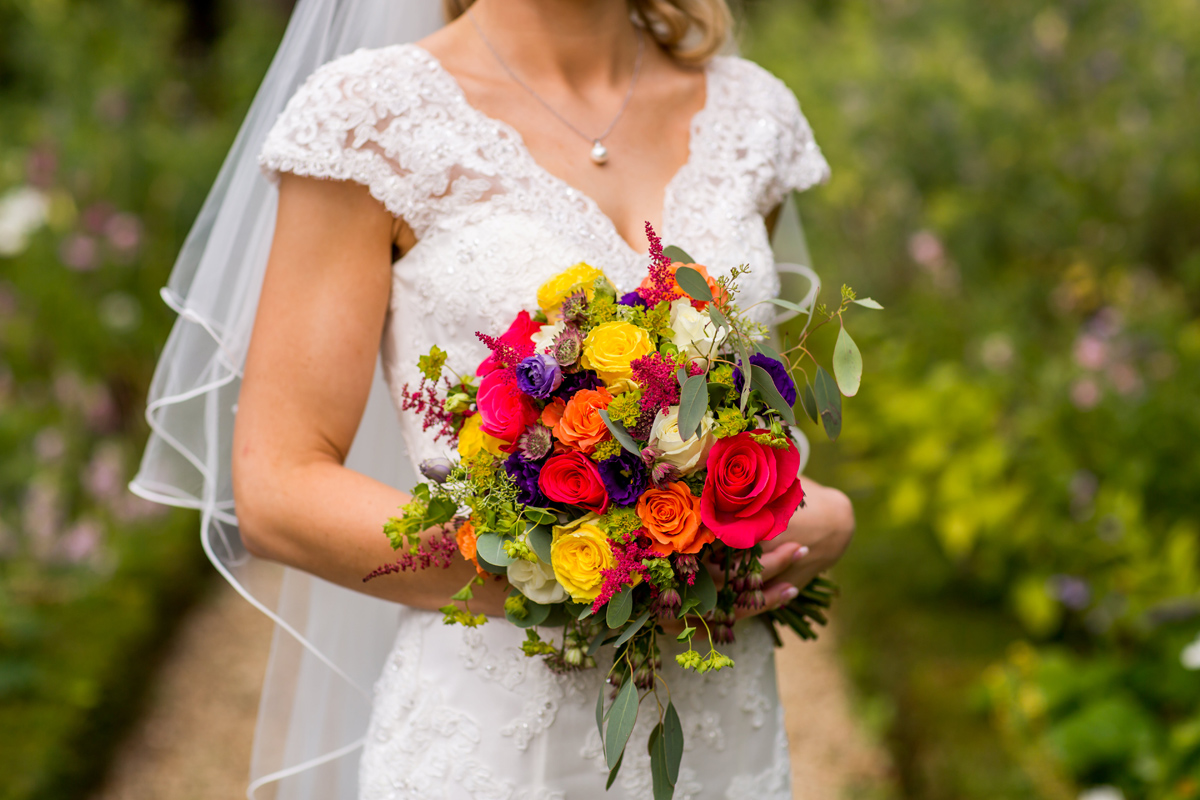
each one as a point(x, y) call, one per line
point(552, 293)
point(579, 552)
point(609, 349)
point(471, 439)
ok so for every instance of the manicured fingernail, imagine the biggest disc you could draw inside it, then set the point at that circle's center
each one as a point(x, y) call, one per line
point(801, 553)
point(790, 593)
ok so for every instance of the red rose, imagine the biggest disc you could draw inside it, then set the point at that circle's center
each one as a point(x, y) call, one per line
point(751, 490)
point(573, 478)
point(519, 336)
point(506, 411)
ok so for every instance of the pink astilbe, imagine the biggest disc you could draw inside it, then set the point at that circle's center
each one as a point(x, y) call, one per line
point(507, 354)
point(655, 373)
point(436, 551)
point(425, 401)
point(629, 563)
point(662, 282)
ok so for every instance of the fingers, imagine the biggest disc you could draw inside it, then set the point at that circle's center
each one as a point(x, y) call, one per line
point(780, 559)
point(775, 594)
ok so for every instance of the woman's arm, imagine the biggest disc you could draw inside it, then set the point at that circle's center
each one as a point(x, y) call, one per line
point(307, 376)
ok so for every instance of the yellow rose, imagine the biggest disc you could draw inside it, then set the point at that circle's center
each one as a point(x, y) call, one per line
point(471, 439)
point(609, 349)
point(552, 293)
point(579, 552)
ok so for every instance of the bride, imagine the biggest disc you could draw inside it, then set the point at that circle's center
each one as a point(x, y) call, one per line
point(425, 190)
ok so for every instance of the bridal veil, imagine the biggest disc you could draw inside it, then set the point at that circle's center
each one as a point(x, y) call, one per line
point(329, 643)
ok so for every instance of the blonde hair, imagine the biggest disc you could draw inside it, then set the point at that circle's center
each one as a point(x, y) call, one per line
point(690, 31)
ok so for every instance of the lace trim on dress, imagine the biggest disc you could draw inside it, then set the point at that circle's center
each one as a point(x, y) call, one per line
point(396, 121)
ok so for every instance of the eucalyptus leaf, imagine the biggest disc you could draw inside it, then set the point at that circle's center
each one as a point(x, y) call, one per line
point(540, 537)
point(598, 642)
point(600, 709)
point(693, 402)
point(829, 403)
point(612, 773)
point(790, 306)
point(681, 376)
point(633, 628)
point(619, 608)
point(847, 364)
point(621, 717)
point(620, 434)
point(488, 566)
point(673, 739)
point(718, 319)
point(585, 612)
point(765, 385)
point(693, 283)
point(664, 788)
point(537, 613)
point(490, 546)
point(540, 516)
point(677, 255)
point(808, 401)
point(769, 352)
point(867, 302)
point(704, 590)
point(558, 616)
point(744, 356)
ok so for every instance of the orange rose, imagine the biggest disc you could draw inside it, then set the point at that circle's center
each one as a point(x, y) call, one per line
point(672, 518)
point(578, 423)
point(719, 294)
point(465, 537)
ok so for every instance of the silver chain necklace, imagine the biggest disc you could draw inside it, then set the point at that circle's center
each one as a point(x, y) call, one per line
point(599, 152)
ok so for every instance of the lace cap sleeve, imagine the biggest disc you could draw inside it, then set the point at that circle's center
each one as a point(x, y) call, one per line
point(799, 163)
point(337, 125)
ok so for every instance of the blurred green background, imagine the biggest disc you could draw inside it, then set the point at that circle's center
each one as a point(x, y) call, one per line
point(1019, 185)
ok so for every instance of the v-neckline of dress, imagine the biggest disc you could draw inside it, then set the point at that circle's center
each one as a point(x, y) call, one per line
point(695, 129)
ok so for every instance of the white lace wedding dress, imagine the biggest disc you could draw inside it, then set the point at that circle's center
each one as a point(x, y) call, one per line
point(462, 713)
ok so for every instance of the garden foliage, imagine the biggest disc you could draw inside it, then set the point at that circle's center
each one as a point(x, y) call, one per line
point(1020, 184)
point(112, 125)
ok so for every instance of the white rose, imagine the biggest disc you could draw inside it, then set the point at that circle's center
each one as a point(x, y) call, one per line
point(536, 581)
point(695, 333)
point(545, 336)
point(687, 456)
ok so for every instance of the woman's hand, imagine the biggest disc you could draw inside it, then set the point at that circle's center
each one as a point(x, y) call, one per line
point(822, 529)
point(814, 540)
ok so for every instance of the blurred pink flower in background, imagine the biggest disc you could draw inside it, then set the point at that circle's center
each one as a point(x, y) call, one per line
point(80, 541)
point(1085, 394)
point(79, 252)
point(49, 445)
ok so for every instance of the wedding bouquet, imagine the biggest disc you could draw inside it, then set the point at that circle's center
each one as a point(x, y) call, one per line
point(621, 461)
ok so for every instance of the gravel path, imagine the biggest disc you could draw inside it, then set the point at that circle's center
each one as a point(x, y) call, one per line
point(194, 742)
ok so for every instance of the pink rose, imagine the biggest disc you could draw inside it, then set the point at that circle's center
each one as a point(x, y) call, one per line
point(573, 478)
point(504, 409)
point(751, 490)
point(519, 336)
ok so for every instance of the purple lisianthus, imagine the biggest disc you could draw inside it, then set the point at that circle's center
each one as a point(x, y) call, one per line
point(624, 477)
point(525, 474)
point(572, 382)
point(538, 376)
point(778, 372)
point(632, 299)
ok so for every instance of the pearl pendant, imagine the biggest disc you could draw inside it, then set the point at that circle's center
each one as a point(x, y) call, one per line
point(599, 152)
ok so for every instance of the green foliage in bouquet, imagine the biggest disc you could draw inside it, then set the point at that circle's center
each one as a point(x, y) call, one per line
point(626, 405)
